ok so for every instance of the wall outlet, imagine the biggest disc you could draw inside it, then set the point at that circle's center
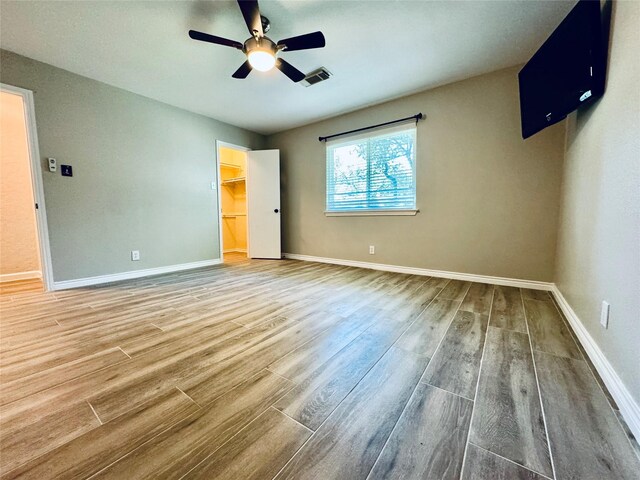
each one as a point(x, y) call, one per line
point(135, 255)
point(604, 314)
point(372, 250)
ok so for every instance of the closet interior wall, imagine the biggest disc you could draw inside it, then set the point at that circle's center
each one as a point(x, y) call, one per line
point(233, 168)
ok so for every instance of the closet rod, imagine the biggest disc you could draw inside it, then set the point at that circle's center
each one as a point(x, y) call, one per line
point(416, 117)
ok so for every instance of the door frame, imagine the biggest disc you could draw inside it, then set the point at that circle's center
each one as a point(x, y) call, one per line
point(36, 181)
point(219, 144)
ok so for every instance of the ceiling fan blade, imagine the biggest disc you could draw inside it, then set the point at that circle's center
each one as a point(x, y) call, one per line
point(205, 37)
point(251, 13)
point(289, 70)
point(303, 42)
point(243, 71)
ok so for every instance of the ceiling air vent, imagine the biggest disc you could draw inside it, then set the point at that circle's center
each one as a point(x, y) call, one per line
point(317, 76)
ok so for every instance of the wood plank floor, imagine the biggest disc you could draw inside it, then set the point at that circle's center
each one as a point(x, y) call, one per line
point(288, 369)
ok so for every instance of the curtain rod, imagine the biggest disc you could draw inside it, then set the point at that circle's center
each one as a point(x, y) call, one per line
point(416, 117)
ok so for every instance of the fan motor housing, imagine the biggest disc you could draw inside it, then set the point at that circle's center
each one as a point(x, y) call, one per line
point(263, 43)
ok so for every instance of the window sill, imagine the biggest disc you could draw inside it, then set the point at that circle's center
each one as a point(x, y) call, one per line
point(371, 213)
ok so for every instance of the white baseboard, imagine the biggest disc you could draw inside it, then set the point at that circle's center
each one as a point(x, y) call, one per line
point(628, 407)
point(508, 282)
point(13, 277)
point(116, 277)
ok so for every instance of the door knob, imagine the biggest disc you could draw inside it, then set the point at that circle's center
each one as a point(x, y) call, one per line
point(276, 210)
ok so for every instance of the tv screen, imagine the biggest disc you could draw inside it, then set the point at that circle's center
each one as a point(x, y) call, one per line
point(566, 72)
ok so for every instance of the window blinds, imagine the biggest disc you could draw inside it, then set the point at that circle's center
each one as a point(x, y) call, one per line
point(373, 171)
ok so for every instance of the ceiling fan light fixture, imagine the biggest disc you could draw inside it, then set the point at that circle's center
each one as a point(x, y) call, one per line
point(261, 51)
point(261, 60)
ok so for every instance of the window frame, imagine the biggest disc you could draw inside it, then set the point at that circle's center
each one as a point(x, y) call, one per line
point(367, 212)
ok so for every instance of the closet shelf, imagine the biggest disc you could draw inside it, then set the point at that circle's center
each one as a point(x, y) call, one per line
point(230, 165)
point(233, 215)
point(233, 181)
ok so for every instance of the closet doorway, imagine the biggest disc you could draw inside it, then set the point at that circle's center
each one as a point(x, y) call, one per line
point(249, 201)
point(232, 175)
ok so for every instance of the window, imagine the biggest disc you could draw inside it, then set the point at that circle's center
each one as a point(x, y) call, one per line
point(372, 174)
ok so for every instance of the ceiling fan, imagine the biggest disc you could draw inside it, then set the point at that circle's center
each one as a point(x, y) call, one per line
point(261, 51)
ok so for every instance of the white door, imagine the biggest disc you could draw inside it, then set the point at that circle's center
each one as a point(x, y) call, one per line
point(263, 203)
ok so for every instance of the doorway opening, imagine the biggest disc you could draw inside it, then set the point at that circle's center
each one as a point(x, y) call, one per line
point(24, 246)
point(232, 175)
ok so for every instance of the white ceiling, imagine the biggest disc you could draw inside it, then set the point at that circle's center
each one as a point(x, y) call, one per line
point(377, 50)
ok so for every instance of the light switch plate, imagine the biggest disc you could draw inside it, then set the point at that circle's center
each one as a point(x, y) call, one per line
point(604, 314)
point(135, 255)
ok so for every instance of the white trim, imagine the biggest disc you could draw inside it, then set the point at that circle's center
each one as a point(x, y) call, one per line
point(117, 277)
point(370, 213)
point(629, 409)
point(36, 181)
point(14, 277)
point(509, 282)
point(219, 144)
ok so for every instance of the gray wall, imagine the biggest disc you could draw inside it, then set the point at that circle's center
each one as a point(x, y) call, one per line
point(488, 200)
point(142, 171)
point(599, 229)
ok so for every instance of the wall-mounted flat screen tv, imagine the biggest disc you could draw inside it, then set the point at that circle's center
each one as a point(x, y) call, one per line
point(566, 72)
